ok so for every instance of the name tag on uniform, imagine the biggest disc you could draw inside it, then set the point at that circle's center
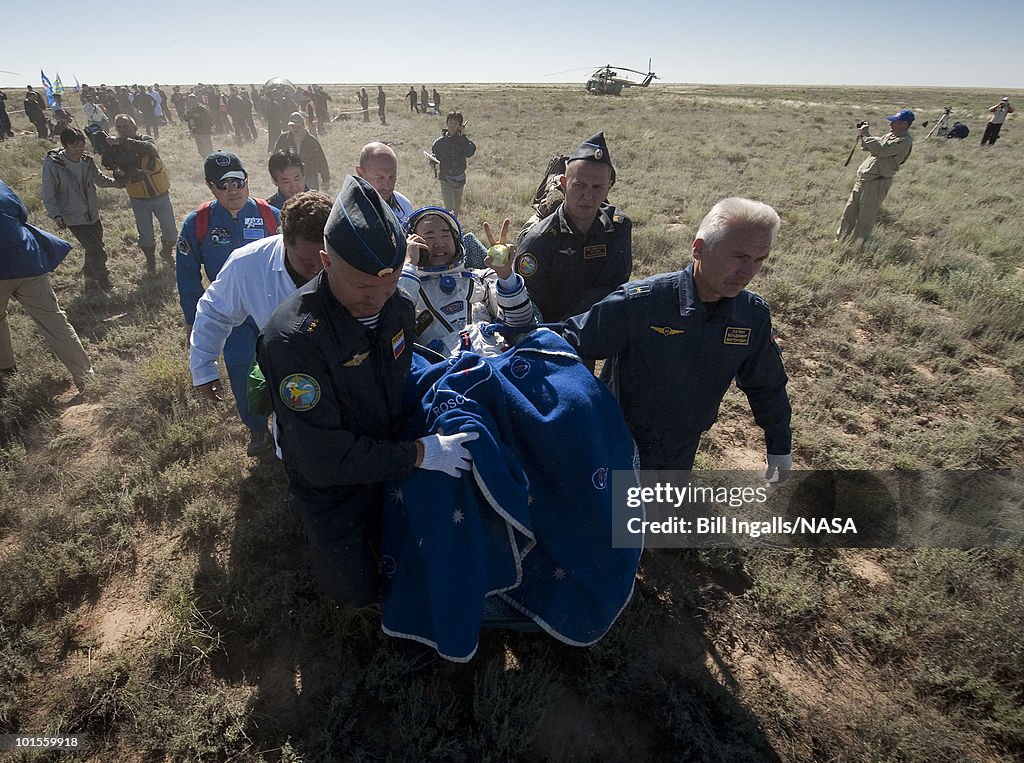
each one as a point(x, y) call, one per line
point(738, 336)
point(398, 343)
point(595, 251)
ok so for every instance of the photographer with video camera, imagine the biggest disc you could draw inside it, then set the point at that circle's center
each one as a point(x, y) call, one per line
point(874, 176)
point(135, 161)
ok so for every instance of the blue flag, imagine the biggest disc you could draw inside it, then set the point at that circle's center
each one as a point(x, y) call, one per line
point(47, 87)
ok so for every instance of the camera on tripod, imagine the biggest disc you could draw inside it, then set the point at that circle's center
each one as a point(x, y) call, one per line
point(862, 123)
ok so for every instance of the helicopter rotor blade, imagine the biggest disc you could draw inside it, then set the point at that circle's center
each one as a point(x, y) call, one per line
point(571, 71)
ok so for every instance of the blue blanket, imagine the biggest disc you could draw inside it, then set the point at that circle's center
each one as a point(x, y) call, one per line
point(531, 523)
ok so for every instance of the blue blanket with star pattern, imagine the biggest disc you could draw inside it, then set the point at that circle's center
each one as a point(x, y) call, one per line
point(531, 523)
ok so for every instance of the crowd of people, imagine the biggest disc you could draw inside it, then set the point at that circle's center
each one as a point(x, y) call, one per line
point(326, 298)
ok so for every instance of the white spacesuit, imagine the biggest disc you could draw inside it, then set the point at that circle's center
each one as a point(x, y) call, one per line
point(454, 303)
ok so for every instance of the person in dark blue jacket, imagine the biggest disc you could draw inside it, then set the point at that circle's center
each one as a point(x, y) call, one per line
point(27, 257)
point(451, 150)
point(336, 354)
point(676, 341)
point(208, 237)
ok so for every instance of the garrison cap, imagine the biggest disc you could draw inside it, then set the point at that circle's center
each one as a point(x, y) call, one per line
point(363, 230)
point(221, 165)
point(594, 149)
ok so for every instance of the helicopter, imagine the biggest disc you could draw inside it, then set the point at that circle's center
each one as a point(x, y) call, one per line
point(606, 80)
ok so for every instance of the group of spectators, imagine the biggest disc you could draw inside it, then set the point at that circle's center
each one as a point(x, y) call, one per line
point(423, 102)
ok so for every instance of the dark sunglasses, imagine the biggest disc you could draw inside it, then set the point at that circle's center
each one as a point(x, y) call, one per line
point(231, 184)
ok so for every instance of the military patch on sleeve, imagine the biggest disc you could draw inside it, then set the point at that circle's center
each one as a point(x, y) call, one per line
point(183, 246)
point(638, 290)
point(398, 343)
point(300, 392)
point(595, 251)
point(737, 336)
point(526, 265)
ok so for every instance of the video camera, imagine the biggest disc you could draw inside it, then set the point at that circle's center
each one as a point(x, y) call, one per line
point(862, 123)
point(123, 163)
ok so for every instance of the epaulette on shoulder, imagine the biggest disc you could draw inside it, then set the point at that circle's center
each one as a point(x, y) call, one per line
point(638, 290)
point(759, 302)
point(307, 323)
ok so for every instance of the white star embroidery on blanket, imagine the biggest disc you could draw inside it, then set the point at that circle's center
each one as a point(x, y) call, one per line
point(559, 573)
point(396, 495)
point(457, 516)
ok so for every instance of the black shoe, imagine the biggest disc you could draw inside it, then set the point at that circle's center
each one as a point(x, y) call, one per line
point(260, 442)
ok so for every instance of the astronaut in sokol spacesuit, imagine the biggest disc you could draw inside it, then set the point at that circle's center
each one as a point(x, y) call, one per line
point(455, 303)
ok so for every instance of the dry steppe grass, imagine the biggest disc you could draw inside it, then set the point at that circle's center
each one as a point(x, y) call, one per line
point(154, 590)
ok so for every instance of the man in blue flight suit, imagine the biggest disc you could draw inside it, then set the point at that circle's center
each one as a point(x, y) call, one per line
point(676, 341)
point(335, 355)
point(584, 249)
point(208, 237)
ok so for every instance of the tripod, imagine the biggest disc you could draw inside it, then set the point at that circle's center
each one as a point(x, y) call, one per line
point(941, 126)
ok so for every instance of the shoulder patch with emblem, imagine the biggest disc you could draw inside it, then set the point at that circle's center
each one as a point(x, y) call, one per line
point(300, 392)
point(736, 336)
point(526, 265)
point(183, 246)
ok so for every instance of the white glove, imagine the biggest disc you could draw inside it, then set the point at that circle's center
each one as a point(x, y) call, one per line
point(777, 467)
point(447, 453)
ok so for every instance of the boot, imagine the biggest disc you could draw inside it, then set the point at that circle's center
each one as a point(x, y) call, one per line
point(167, 252)
point(150, 252)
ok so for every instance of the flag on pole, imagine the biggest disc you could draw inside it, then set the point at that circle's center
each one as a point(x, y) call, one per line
point(78, 87)
point(58, 88)
point(47, 87)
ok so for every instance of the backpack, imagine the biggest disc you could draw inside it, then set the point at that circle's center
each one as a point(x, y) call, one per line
point(203, 219)
point(549, 193)
point(958, 130)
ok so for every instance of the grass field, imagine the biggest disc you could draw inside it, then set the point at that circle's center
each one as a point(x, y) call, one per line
point(155, 594)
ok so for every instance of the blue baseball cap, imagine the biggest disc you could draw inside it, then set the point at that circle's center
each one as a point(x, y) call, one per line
point(906, 115)
point(363, 230)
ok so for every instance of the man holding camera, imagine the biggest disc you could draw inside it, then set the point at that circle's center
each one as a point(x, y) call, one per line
point(874, 176)
point(995, 122)
point(136, 163)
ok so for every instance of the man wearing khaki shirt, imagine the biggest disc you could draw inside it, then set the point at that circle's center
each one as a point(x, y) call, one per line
point(874, 176)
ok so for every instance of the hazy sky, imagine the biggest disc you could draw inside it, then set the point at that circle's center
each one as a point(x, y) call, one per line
point(864, 42)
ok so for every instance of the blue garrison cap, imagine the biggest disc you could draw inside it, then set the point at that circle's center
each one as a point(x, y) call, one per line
point(594, 149)
point(363, 230)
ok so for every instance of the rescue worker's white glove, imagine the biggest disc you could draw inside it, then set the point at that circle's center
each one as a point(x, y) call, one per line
point(777, 468)
point(447, 453)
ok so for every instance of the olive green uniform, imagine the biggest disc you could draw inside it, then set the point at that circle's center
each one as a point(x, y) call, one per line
point(874, 176)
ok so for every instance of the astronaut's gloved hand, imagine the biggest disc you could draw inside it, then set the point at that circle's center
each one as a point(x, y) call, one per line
point(777, 467)
point(447, 453)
